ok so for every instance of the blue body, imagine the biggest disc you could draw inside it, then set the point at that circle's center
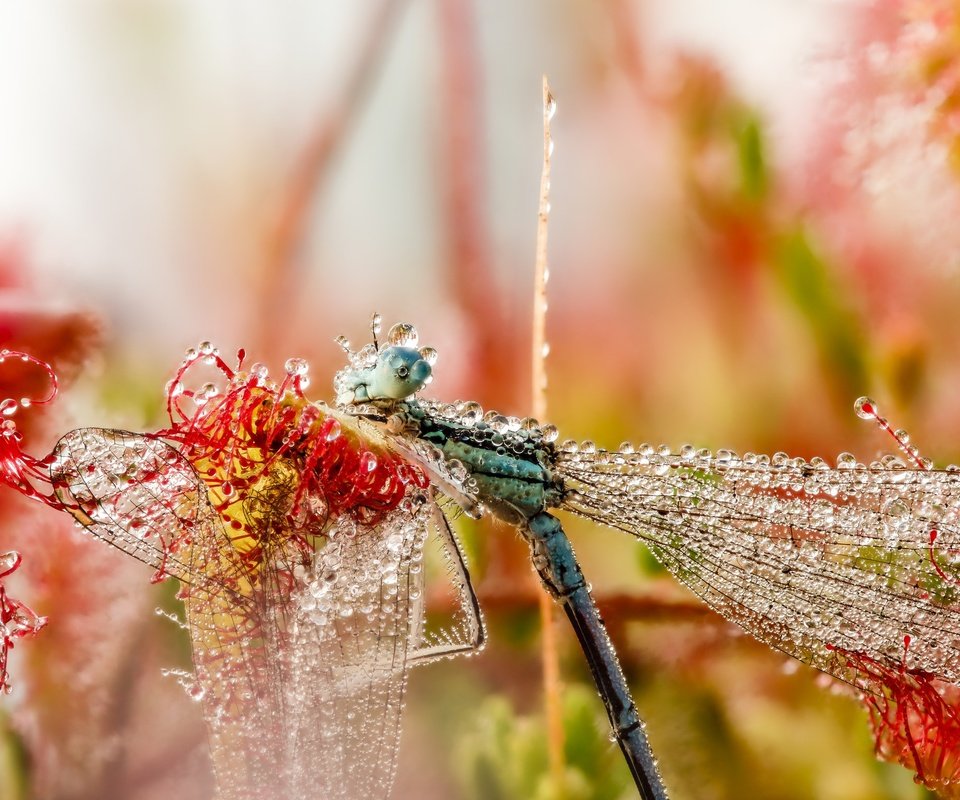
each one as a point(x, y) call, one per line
point(514, 480)
point(510, 472)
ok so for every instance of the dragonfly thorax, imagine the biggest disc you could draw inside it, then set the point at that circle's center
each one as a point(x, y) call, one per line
point(509, 470)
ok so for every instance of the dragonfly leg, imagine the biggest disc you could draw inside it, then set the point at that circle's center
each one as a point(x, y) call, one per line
point(556, 563)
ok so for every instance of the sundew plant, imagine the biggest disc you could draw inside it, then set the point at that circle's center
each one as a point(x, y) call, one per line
point(752, 225)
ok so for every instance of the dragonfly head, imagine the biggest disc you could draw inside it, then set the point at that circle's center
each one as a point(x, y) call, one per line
point(383, 374)
point(400, 372)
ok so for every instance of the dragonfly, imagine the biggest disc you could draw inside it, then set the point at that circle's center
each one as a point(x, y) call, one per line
point(299, 532)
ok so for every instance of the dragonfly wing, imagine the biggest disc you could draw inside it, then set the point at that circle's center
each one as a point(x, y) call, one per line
point(465, 632)
point(429, 458)
point(811, 560)
point(306, 699)
point(356, 623)
point(301, 657)
point(139, 494)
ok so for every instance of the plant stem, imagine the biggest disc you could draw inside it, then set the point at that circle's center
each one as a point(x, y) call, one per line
point(549, 653)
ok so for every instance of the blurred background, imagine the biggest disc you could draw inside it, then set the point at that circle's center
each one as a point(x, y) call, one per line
point(754, 208)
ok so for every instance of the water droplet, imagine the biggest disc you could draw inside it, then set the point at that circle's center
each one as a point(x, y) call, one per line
point(206, 348)
point(550, 107)
point(296, 366)
point(865, 408)
point(470, 413)
point(846, 461)
point(25, 620)
point(368, 462)
point(9, 561)
point(545, 350)
point(226, 489)
point(457, 471)
point(429, 355)
point(25, 402)
point(332, 427)
point(902, 435)
point(205, 393)
point(344, 343)
point(8, 407)
point(550, 432)
point(403, 334)
point(376, 322)
point(498, 422)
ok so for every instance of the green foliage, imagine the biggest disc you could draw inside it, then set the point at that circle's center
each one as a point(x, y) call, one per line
point(176, 639)
point(14, 766)
point(754, 177)
point(503, 756)
point(809, 282)
point(648, 564)
point(784, 244)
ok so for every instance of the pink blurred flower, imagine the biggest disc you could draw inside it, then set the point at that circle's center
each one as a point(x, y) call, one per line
point(88, 728)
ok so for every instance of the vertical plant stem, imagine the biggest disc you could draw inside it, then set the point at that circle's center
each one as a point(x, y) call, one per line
point(549, 653)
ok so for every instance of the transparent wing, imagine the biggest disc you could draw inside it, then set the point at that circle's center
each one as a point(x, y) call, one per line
point(461, 631)
point(809, 559)
point(139, 494)
point(300, 653)
point(428, 457)
point(305, 692)
point(356, 613)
